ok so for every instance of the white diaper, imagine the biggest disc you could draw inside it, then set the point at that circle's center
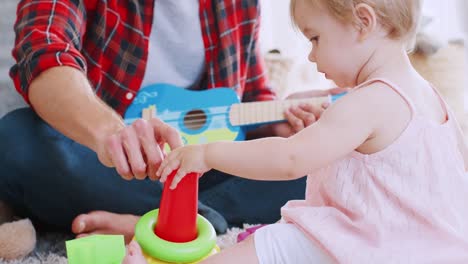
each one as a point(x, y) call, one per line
point(283, 243)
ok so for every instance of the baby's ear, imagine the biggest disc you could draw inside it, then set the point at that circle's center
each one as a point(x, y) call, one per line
point(366, 18)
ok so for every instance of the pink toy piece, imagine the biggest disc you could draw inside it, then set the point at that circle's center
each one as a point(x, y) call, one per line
point(243, 235)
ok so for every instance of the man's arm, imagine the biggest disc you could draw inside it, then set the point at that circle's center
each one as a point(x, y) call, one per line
point(48, 34)
point(63, 97)
point(50, 73)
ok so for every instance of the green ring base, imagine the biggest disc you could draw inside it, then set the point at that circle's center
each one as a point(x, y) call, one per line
point(171, 252)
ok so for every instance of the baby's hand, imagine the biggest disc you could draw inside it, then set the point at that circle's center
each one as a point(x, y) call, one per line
point(186, 159)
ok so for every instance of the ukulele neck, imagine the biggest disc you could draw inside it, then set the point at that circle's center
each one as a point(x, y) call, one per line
point(243, 114)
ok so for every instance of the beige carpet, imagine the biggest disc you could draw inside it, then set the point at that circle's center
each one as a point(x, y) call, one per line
point(51, 248)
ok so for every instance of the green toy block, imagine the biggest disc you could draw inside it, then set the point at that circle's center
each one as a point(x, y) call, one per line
point(96, 249)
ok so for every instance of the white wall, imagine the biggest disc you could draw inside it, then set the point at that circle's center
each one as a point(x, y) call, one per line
point(463, 19)
point(446, 14)
point(451, 23)
point(277, 32)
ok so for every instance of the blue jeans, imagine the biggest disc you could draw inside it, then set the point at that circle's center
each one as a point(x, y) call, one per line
point(51, 179)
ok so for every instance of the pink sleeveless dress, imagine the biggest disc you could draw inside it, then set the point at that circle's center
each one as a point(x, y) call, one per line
point(405, 204)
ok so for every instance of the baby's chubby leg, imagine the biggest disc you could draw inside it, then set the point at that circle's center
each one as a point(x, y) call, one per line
point(134, 254)
point(243, 252)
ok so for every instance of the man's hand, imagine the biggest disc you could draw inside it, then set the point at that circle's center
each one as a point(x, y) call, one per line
point(303, 115)
point(136, 151)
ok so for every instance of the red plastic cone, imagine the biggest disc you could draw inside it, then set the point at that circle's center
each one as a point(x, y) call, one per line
point(177, 218)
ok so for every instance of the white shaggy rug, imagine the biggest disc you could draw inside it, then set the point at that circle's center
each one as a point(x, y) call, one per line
point(50, 247)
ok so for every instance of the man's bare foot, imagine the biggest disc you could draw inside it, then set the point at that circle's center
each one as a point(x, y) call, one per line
point(134, 254)
point(102, 222)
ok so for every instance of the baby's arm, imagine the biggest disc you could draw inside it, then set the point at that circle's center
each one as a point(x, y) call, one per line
point(341, 129)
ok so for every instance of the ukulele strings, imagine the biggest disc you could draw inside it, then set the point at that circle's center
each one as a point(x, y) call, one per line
point(195, 118)
point(192, 120)
point(202, 117)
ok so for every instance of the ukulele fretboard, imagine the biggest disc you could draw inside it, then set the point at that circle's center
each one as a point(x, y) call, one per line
point(264, 112)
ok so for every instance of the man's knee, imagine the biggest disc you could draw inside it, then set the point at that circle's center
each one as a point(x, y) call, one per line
point(13, 149)
point(17, 129)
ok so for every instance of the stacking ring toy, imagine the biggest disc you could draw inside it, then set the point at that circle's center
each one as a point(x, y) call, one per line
point(171, 251)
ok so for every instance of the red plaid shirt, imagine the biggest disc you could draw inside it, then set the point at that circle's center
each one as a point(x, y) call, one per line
point(108, 41)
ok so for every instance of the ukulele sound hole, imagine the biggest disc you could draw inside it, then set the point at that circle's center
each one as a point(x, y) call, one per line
point(195, 119)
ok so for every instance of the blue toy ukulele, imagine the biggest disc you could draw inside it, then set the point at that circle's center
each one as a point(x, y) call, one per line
point(208, 115)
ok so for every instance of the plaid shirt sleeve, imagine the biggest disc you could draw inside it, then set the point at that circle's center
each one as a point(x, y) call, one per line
point(48, 34)
point(256, 88)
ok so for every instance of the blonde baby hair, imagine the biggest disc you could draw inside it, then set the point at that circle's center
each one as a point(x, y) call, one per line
point(399, 17)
